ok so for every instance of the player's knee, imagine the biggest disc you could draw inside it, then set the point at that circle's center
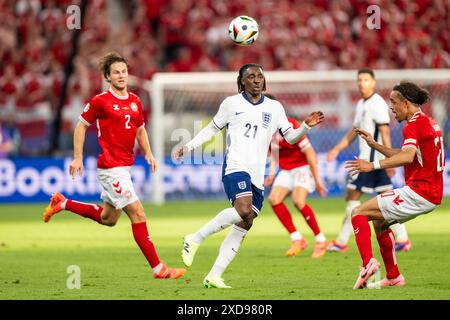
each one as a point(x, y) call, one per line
point(109, 222)
point(299, 204)
point(247, 221)
point(244, 210)
point(274, 200)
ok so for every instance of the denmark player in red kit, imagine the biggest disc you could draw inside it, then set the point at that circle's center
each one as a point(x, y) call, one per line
point(422, 155)
point(118, 116)
point(299, 175)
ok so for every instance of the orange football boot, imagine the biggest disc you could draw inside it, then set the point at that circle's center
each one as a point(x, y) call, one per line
point(297, 246)
point(54, 206)
point(319, 249)
point(169, 273)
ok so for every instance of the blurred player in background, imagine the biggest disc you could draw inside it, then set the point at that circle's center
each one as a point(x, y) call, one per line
point(118, 116)
point(372, 115)
point(299, 176)
point(422, 156)
point(251, 120)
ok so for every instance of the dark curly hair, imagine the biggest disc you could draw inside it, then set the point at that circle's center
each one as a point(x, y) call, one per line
point(108, 60)
point(412, 92)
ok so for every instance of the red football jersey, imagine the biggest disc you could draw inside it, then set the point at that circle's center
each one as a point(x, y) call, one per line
point(117, 119)
point(291, 155)
point(425, 174)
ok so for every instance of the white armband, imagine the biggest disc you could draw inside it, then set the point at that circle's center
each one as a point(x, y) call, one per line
point(376, 165)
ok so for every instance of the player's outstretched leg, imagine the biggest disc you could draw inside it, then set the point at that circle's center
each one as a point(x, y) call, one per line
point(58, 203)
point(221, 221)
point(228, 250)
point(386, 242)
point(136, 213)
point(298, 243)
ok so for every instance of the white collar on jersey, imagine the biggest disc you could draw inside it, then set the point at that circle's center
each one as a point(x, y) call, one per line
point(116, 95)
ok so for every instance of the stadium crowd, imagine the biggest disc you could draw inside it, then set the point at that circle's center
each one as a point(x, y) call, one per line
point(191, 35)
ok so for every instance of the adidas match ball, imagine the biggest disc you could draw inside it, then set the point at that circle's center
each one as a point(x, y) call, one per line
point(243, 30)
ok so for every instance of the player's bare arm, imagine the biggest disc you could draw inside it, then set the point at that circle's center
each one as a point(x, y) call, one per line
point(144, 144)
point(344, 143)
point(405, 156)
point(387, 151)
point(311, 159)
point(78, 141)
point(385, 133)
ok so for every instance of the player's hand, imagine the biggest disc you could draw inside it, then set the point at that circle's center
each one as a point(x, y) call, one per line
point(269, 180)
point(314, 118)
point(366, 136)
point(390, 172)
point(179, 152)
point(321, 190)
point(151, 162)
point(76, 166)
point(358, 165)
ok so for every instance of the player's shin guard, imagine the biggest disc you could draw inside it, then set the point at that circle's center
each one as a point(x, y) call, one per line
point(223, 220)
point(86, 210)
point(228, 250)
point(144, 242)
point(361, 228)
point(310, 218)
point(346, 229)
point(386, 241)
point(285, 217)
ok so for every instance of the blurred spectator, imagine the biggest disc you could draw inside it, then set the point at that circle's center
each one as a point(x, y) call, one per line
point(6, 143)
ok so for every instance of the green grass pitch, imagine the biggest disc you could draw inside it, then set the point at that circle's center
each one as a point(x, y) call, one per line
point(34, 257)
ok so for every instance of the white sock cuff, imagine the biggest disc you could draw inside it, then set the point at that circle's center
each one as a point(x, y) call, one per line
point(239, 229)
point(353, 203)
point(236, 218)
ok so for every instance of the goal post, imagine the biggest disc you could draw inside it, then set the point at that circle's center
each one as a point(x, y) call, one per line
point(178, 100)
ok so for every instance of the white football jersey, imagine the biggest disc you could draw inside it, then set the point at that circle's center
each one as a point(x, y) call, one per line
point(370, 113)
point(250, 128)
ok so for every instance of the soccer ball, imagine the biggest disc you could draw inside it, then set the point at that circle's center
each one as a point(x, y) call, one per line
point(243, 30)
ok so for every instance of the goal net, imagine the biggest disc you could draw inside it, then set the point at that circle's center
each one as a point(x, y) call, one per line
point(182, 103)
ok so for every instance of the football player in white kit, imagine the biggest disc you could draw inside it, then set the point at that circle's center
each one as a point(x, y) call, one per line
point(251, 119)
point(372, 115)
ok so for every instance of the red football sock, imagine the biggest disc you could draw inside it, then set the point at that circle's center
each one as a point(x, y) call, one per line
point(144, 242)
point(310, 218)
point(361, 228)
point(86, 210)
point(285, 217)
point(386, 241)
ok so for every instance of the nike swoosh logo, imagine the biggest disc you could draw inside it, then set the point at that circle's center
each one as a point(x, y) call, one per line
point(238, 113)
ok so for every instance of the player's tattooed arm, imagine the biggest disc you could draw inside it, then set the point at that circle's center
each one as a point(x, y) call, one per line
point(388, 152)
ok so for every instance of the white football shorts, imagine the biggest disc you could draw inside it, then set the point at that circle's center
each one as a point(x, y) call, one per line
point(403, 204)
point(297, 177)
point(117, 187)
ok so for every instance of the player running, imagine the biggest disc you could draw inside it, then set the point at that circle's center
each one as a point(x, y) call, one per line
point(251, 120)
point(422, 156)
point(299, 176)
point(118, 116)
point(372, 115)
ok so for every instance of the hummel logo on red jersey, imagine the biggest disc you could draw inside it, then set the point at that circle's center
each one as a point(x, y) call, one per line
point(116, 107)
point(397, 200)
